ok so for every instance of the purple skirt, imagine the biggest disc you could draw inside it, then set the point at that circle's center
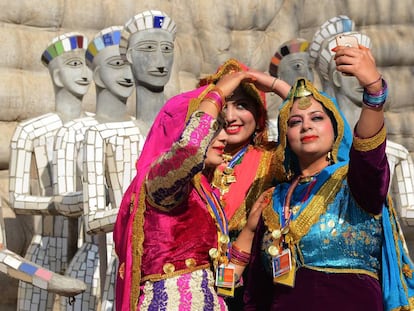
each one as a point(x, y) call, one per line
point(315, 290)
point(186, 292)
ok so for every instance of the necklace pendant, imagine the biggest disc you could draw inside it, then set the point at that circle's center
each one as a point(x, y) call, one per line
point(228, 171)
point(229, 179)
point(285, 230)
point(227, 157)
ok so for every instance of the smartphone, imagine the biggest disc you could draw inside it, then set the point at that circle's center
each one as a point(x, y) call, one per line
point(347, 40)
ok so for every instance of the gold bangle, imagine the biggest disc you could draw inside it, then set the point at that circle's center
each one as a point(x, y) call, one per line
point(213, 102)
point(238, 262)
point(220, 92)
point(273, 84)
point(233, 245)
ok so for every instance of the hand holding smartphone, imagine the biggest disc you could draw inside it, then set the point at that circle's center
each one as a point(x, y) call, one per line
point(347, 41)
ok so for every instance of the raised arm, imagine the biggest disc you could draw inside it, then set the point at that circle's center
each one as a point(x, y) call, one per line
point(369, 173)
point(360, 63)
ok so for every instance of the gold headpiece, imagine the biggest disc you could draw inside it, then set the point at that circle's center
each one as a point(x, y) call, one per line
point(302, 93)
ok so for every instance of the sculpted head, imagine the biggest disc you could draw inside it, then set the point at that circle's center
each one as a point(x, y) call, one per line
point(320, 54)
point(65, 59)
point(346, 89)
point(148, 45)
point(291, 61)
point(110, 71)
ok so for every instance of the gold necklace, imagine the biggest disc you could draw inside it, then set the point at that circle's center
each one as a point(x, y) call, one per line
point(223, 178)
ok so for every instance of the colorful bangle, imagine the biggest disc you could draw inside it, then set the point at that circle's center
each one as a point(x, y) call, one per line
point(373, 82)
point(239, 257)
point(381, 92)
point(376, 100)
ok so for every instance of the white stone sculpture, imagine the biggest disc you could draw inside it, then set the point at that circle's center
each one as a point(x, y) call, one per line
point(31, 178)
point(114, 84)
point(112, 148)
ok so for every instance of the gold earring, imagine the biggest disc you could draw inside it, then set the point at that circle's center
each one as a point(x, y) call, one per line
point(329, 158)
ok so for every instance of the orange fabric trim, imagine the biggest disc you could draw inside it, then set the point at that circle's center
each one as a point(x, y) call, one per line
point(245, 174)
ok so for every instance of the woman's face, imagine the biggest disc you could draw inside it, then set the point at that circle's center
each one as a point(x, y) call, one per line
point(310, 133)
point(214, 155)
point(240, 115)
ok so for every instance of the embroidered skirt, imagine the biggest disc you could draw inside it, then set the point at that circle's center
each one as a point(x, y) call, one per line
point(192, 291)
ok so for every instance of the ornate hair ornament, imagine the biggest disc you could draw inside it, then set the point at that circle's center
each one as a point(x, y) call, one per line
point(62, 44)
point(107, 37)
point(298, 45)
point(150, 19)
point(303, 94)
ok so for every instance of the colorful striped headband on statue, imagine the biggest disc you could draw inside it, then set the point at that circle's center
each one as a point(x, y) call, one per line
point(297, 45)
point(146, 20)
point(62, 44)
point(107, 37)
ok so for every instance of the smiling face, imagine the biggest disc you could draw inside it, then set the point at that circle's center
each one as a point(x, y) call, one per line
point(70, 72)
point(151, 55)
point(310, 134)
point(214, 155)
point(241, 114)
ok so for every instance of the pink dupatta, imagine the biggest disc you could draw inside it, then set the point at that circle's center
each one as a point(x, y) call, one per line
point(166, 129)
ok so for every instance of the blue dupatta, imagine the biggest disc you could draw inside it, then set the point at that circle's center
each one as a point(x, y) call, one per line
point(396, 265)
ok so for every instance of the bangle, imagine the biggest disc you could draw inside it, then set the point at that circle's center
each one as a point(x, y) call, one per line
point(273, 83)
point(214, 95)
point(213, 102)
point(373, 82)
point(377, 99)
point(239, 257)
point(220, 92)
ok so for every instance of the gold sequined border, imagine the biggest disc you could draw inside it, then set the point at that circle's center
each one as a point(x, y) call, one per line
point(367, 144)
point(317, 205)
point(195, 102)
point(159, 277)
point(137, 247)
point(270, 217)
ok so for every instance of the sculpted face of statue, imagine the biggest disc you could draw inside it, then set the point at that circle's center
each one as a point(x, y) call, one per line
point(295, 65)
point(151, 55)
point(69, 71)
point(113, 73)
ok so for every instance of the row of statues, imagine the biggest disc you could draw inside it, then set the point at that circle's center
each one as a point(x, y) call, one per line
point(70, 168)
